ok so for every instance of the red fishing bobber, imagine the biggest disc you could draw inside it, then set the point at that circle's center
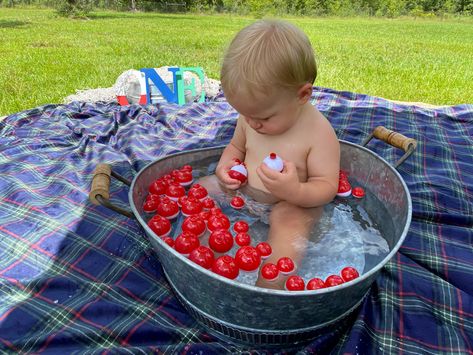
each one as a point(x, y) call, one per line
point(315, 284)
point(243, 239)
point(186, 242)
point(286, 265)
point(160, 225)
point(204, 215)
point(333, 280)
point(198, 192)
point(349, 273)
point(168, 208)
point(247, 258)
point(219, 221)
point(225, 266)
point(241, 227)
point(269, 272)
point(273, 161)
point(221, 241)
point(169, 241)
point(208, 203)
point(174, 191)
point(191, 206)
point(202, 256)
point(181, 200)
point(342, 175)
point(215, 211)
point(186, 168)
point(264, 249)
point(344, 188)
point(237, 203)
point(151, 203)
point(195, 225)
point(184, 177)
point(238, 172)
point(158, 187)
point(168, 179)
point(295, 283)
point(358, 192)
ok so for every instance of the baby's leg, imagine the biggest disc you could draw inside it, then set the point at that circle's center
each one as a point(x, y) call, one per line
point(289, 229)
point(214, 188)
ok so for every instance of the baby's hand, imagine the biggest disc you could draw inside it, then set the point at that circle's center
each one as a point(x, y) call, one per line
point(225, 179)
point(284, 184)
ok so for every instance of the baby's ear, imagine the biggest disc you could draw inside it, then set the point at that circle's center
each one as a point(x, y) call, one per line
point(304, 93)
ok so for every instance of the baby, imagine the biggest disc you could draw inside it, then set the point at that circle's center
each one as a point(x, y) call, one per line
point(267, 76)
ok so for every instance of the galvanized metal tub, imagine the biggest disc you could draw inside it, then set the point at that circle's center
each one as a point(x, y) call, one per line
point(262, 316)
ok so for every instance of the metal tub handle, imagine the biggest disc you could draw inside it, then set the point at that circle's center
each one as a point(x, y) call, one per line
point(395, 139)
point(100, 190)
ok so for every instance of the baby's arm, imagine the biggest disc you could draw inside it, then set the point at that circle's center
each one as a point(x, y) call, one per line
point(234, 150)
point(323, 165)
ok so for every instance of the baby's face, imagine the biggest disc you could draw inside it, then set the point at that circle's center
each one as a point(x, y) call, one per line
point(271, 115)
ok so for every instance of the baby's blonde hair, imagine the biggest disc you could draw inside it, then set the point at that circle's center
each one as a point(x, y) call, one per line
point(268, 55)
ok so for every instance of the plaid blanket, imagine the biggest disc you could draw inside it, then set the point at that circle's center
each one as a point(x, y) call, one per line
point(77, 278)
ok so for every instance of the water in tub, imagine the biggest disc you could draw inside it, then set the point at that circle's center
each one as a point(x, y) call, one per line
point(345, 235)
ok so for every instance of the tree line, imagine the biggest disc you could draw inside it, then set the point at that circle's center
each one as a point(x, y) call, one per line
point(385, 8)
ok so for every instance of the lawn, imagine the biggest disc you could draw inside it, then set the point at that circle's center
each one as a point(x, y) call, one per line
point(45, 58)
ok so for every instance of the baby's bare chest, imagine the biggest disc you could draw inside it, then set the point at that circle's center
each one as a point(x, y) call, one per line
point(290, 148)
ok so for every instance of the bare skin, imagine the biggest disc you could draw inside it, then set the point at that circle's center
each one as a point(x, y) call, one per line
point(287, 124)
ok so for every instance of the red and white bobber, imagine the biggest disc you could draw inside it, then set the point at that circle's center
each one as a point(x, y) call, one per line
point(225, 266)
point(269, 272)
point(169, 241)
point(273, 161)
point(186, 242)
point(181, 200)
point(191, 206)
point(204, 215)
point(151, 203)
point(168, 208)
point(264, 249)
point(194, 224)
point(349, 273)
point(160, 225)
point(237, 203)
point(315, 284)
point(241, 227)
point(285, 265)
point(333, 280)
point(215, 211)
point(243, 239)
point(219, 221)
point(342, 175)
point(202, 256)
point(198, 192)
point(184, 177)
point(221, 241)
point(168, 179)
point(247, 258)
point(358, 192)
point(158, 187)
point(174, 191)
point(294, 283)
point(238, 171)
point(344, 188)
point(208, 203)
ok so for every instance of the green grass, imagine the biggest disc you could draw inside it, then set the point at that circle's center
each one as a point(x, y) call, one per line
point(44, 58)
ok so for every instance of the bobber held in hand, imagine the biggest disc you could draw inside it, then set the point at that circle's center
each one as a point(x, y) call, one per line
point(238, 171)
point(273, 161)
